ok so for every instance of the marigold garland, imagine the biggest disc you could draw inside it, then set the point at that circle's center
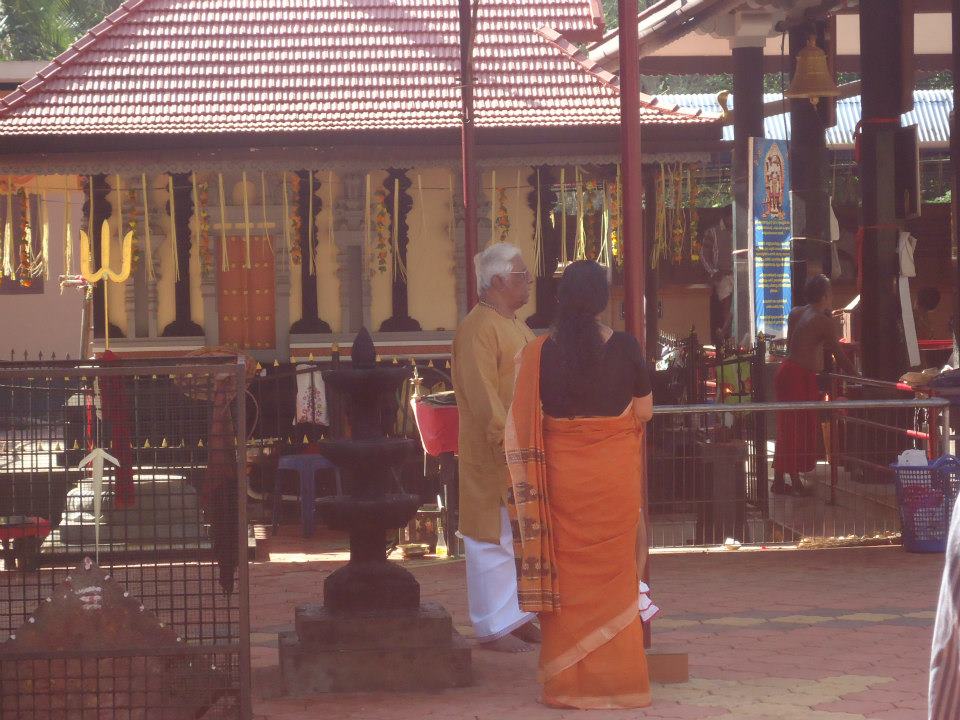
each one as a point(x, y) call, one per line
point(25, 268)
point(382, 226)
point(616, 222)
point(502, 223)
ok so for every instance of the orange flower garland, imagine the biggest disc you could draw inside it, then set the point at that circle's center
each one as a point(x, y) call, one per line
point(502, 224)
point(206, 247)
point(296, 222)
point(25, 269)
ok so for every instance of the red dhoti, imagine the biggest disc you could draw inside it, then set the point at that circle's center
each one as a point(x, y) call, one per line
point(798, 446)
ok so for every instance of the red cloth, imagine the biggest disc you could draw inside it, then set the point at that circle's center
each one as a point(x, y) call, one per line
point(439, 427)
point(798, 446)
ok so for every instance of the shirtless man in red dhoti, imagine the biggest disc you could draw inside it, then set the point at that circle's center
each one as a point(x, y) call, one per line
point(810, 332)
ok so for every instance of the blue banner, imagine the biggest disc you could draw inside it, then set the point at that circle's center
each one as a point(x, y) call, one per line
point(771, 248)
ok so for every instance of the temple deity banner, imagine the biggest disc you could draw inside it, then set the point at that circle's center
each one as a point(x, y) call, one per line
point(772, 241)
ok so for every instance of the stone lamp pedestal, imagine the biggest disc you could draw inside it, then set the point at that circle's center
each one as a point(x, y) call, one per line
point(371, 632)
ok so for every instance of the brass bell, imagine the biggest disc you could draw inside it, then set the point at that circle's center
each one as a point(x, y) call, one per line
point(812, 78)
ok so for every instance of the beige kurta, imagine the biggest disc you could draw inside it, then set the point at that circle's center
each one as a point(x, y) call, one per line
point(484, 350)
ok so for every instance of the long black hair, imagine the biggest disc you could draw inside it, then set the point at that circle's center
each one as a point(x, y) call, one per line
point(583, 294)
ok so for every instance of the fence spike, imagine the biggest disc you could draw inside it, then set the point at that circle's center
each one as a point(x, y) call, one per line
point(53, 357)
point(76, 445)
point(413, 362)
point(200, 442)
point(259, 367)
point(378, 360)
point(132, 446)
point(68, 356)
point(146, 444)
point(25, 356)
point(163, 443)
point(305, 440)
point(335, 348)
point(395, 361)
point(430, 364)
point(289, 440)
point(40, 356)
point(311, 358)
point(276, 363)
point(446, 365)
point(182, 443)
point(153, 377)
point(58, 448)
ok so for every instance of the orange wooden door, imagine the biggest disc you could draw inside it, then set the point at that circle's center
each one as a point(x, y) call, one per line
point(247, 299)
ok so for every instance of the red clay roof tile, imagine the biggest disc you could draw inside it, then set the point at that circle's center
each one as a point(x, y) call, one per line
point(202, 66)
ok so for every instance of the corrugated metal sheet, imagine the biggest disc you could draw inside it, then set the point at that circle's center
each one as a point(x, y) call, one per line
point(931, 113)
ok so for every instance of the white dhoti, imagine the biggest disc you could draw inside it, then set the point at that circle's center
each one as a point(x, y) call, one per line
point(492, 585)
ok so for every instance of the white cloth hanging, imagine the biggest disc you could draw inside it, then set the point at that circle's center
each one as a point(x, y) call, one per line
point(835, 270)
point(906, 244)
point(311, 398)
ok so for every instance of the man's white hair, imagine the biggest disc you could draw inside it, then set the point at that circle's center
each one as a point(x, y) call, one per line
point(496, 260)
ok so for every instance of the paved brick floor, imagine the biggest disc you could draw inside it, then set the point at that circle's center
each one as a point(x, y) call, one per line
point(787, 635)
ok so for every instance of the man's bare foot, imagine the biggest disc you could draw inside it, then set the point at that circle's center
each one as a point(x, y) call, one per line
point(507, 644)
point(529, 632)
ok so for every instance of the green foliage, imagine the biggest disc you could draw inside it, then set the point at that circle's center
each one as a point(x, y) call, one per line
point(610, 11)
point(42, 29)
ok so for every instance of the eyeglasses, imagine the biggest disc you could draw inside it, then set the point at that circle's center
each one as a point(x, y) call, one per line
point(525, 273)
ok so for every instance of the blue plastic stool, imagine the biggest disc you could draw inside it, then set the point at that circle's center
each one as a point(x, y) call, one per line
point(306, 466)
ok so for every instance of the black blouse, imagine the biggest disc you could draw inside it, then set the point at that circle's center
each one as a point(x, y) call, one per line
point(621, 376)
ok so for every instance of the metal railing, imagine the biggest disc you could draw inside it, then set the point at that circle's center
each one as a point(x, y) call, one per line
point(714, 470)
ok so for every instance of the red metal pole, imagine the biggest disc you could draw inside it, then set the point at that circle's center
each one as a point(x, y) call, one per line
point(634, 253)
point(467, 143)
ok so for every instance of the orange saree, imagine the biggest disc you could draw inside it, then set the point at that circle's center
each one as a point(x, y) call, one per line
point(575, 507)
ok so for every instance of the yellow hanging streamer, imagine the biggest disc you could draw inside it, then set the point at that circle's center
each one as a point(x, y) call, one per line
point(581, 247)
point(398, 266)
point(246, 217)
point(263, 211)
point(538, 234)
point(286, 221)
point(366, 224)
point(8, 268)
point(90, 213)
point(516, 227)
point(330, 228)
point(423, 216)
point(196, 210)
point(119, 209)
point(147, 243)
point(493, 205)
point(453, 217)
point(310, 221)
point(45, 234)
point(563, 216)
point(67, 232)
point(224, 253)
point(174, 250)
point(28, 234)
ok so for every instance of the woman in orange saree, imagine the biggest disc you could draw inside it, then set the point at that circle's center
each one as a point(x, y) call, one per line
point(574, 442)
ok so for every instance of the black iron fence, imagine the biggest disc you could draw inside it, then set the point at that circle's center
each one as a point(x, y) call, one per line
point(123, 579)
point(764, 473)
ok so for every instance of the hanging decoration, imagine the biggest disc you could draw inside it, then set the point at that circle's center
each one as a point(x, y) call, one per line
point(367, 238)
point(67, 232)
point(563, 217)
point(246, 221)
point(25, 266)
point(616, 221)
point(382, 230)
point(516, 199)
point(130, 210)
point(287, 240)
point(224, 253)
point(502, 223)
point(493, 205)
point(296, 222)
point(331, 227)
point(310, 222)
point(45, 235)
point(603, 255)
point(147, 243)
point(538, 232)
point(580, 246)
point(263, 213)
point(399, 269)
point(422, 208)
point(452, 220)
point(174, 250)
point(677, 227)
point(205, 246)
point(8, 250)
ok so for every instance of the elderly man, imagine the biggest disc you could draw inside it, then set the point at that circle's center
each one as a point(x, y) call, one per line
point(484, 350)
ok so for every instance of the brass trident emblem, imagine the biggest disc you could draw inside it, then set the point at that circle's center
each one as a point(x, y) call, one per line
point(105, 273)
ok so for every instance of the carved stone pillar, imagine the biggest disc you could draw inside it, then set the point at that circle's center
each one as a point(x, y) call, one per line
point(182, 208)
point(400, 320)
point(309, 321)
point(351, 241)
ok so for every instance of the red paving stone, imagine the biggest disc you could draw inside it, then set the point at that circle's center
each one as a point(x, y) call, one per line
point(765, 632)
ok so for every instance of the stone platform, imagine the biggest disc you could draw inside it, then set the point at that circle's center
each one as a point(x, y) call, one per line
point(391, 651)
